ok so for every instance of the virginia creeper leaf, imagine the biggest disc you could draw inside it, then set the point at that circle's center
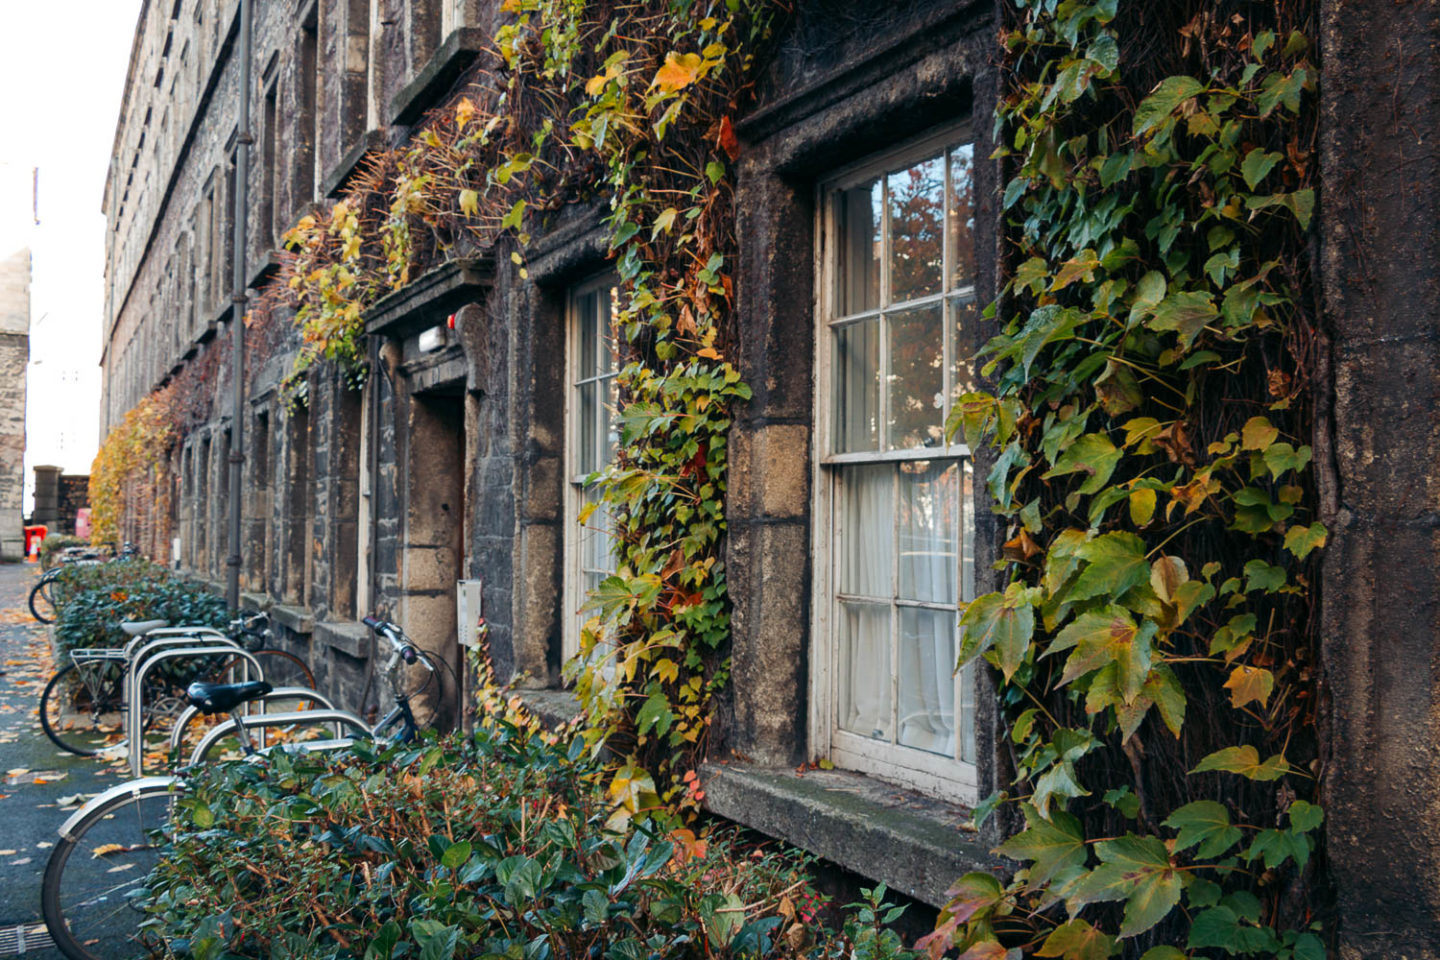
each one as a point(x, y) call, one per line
point(1244, 760)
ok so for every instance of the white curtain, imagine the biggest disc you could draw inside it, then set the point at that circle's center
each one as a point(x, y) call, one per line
point(867, 531)
point(929, 524)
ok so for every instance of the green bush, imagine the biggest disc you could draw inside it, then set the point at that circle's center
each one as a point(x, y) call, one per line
point(95, 600)
point(492, 845)
point(51, 546)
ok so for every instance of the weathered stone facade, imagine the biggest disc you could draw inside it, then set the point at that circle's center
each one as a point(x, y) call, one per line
point(14, 359)
point(450, 463)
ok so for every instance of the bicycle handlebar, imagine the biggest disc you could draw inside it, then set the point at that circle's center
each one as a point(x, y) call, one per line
point(398, 641)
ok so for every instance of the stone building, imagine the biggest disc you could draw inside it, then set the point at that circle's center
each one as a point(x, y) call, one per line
point(14, 357)
point(459, 458)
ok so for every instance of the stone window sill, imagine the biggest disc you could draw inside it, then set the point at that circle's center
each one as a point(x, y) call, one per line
point(435, 79)
point(347, 636)
point(336, 177)
point(555, 708)
point(294, 618)
point(915, 844)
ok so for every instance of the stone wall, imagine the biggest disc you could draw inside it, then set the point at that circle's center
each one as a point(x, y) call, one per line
point(14, 359)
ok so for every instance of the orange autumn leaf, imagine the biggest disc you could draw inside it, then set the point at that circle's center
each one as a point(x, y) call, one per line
point(679, 71)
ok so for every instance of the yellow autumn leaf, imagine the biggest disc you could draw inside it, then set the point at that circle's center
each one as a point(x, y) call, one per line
point(108, 848)
point(1248, 684)
point(469, 202)
point(464, 112)
point(709, 353)
point(679, 71)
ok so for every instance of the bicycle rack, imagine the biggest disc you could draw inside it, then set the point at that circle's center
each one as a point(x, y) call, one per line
point(261, 721)
point(141, 666)
point(279, 693)
point(198, 634)
point(134, 658)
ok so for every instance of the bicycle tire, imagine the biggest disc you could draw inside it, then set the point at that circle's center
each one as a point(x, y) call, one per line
point(87, 901)
point(41, 591)
point(282, 668)
point(80, 738)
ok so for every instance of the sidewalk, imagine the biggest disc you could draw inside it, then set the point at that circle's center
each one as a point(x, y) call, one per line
point(34, 773)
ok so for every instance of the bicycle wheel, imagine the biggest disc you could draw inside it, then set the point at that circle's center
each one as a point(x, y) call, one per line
point(89, 894)
point(282, 669)
point(42, 604)
point(80, 711)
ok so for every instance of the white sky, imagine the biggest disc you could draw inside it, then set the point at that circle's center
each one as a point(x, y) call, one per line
point(62, 73)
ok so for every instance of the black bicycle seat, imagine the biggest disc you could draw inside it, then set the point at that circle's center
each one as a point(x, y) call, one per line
point(224, 697)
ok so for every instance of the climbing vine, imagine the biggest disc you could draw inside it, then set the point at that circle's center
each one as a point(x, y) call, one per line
point(133, 461)
point(629, 106)
point(1149, 434)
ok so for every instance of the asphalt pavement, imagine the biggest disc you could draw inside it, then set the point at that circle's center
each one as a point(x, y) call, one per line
point(41, 784)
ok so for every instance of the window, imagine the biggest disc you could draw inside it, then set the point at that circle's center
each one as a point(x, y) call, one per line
point(269, 145)
point(590, 441)
point(894, 537)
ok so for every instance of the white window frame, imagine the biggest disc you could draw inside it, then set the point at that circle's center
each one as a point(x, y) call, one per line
point(928, 772)
point(573, 591)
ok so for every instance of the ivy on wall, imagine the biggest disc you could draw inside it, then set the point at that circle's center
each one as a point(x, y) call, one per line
point(1148, 434)
point(630, 106)
point(133, 462)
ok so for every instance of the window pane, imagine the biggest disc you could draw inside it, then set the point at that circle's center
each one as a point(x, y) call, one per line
point(604, 314)
point(595, 536)
point(864, 669)
point(927, 680)
point(917, 218)
point(611, 386)
point(962, 216)
point(917, 378)
point(589, 349)
point(857, 387)
point(964, 319)
point(867, 525)
point(860, 213)
point(929, 522)
point(586, 459)
point(967, 527)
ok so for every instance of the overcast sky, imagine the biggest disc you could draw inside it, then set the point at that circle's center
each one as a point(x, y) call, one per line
point(62, 73)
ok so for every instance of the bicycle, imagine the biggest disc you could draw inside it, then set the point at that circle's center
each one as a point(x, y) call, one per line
point(49, 594)
point(107, 848)
point(81, 706)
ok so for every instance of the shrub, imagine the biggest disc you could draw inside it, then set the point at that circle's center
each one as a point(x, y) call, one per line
point(95, 600)
point(494, 845)
point(51, 546)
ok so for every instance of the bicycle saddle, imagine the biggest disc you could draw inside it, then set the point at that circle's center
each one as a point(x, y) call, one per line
point(138, 628)
point(224, 697)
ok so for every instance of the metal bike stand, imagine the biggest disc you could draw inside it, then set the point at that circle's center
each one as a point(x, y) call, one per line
point(133, 658)
point(134, 713)
point(279, 693)
point(199, 634)
point(260, 721)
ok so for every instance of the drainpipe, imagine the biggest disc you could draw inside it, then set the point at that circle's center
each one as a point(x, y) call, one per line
point(238, 300)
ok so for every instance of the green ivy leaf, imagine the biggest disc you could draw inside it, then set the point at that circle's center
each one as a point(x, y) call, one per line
point(1137, 870)
point(1186, 313)
point(1005, 621)
point(1258, 163)
point(1052, 846)
point(1304, 816)
point(1260, 575)
point(1220, 928)
point(1162, 102)
point(1301, 540)
point(1094, 454)
point(1274, 847)
point(1116, 563)
point(1244, 760)
point(1257, 434)
point(455, 855)
point(1280, 457)
point(1077, 940)
point(1103, 637)
point(1204, 823)
point(1163, 953)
